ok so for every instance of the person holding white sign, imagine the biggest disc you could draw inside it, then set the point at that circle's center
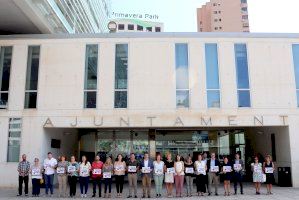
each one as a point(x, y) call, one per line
point(169, 174)
point(107, 176)
point(189, 173)
point(158, 175)
point(61, 171)
point(201, 174)
point(84, 172)
point(119, 172)
point(146, 173)
point(50, 164)
point(238, 173)
point(132, 167)
point(96, 170)
point(179, 175)
point(213, 173)
point(268, 167)
point(36, 176)
point(73, 169)
point(257, 174)
point(227, 175)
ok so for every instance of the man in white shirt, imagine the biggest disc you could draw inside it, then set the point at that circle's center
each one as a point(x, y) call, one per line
point(50, 164)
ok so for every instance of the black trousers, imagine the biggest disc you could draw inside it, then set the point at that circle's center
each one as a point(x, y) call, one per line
point(35, 186)
point(108, 182)
point(97, 182)
point(119, 181)
point(201, 183)
point(73, 185)
point(24, 179)
point(238, 178)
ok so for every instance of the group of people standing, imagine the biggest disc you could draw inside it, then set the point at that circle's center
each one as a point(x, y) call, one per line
point(206, 172)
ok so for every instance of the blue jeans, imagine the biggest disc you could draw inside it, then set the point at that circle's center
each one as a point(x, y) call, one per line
point(108, 182)
point(84, 184)
point(49, 183)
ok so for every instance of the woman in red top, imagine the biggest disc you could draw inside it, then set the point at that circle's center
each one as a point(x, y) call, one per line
point(96, 170)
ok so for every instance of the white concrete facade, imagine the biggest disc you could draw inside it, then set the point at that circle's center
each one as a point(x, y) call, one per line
point(151, 90)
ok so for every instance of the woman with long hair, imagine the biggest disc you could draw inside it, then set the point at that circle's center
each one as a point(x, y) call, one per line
point(158, 175)
point(169, 174)
point(257, 174)
point(107, 175)
point(119, 172)
point(201, 174)
point(84, 173)
point(268, 168)
point(179, 175)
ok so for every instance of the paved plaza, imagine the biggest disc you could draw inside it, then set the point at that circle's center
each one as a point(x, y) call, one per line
point(280, 193)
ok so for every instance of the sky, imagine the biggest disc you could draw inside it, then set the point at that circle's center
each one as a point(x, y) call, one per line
point(180, 15)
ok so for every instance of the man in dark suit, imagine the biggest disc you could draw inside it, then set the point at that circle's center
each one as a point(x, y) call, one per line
point(146, 167)
point(238, 173)
point(213, 166)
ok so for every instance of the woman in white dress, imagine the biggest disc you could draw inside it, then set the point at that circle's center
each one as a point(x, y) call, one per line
point(257, 174)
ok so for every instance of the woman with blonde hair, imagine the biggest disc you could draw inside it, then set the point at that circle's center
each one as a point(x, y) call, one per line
point(268, 168)
point(169, 174)
point(61, 171)
point(179, 175)
point(107, 175)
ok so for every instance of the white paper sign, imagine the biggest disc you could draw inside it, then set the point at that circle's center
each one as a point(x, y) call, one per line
point(97, 171)
point(201, 170)
point(237, 167)
point(71, 169)
point(158, 171)
point(119, 168)
point(189, 170)
point(107, 175)
point(36, 172)
point(60, 170)
point(132, 169)
point(84, 171)
point(269, 170)
point(214, 169)
point(146, 170)
point(170, 170)
point(227, 168)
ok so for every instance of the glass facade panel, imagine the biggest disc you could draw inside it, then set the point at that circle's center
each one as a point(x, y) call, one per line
point(244, 98)
point(213, 98)
point(91, 76)
point(121, 66)
point(182, 75)
point(242, 75)
point(182, 98)
point(212, 71)
point(296, 68)
point(90, 99)
point(120, 99)
point(181, 58)
point(14, 135)
point(32, 76)
point(121, 76)
point(5, 64)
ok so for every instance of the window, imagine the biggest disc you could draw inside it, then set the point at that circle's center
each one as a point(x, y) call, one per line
point(182, 75)
point(243, 1)
point(220, 19)
point(212, 76)
point(130, 27)
point(244, 9)
point(296, 68)
point(215, 20)
point(149, 29)
point(216, 28)
point(245, 17)
point(242, 75)
point(32, 77)
point(139, 28)
point(14, 138)
point(5, 64)
point(121, 27)
point(121, 76)
point(158, 29)
point(91, 76)
point(215, 12)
